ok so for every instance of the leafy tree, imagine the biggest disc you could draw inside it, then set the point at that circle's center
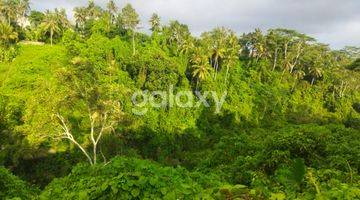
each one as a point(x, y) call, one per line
point(23, 7)
point(95, 99)
point(93, 11)
point(80, 15)
point(187, 46)
point(155, 23)
point(8, 10)
point(232, 53)
point(176, 34)
point(352, 52)
point(315, 74)
point(13, 10)
point(36, 18)
point(51, 24)
point(11, 187)
point(355, 65)
point(7, 35)
point(130, 21)
point(201, 68)
point(112, 9)
point(62, 19)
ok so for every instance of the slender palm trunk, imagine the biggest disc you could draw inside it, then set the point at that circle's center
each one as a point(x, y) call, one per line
point(293, 87)
point(51, 36)
point(133, 42)
point(95, 152)
point(275, 59)
point(227, 73)
point(216, 66)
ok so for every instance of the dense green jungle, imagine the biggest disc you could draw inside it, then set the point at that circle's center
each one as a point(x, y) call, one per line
point(288, 128)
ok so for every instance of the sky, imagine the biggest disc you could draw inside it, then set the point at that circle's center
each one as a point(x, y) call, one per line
point(334, 22)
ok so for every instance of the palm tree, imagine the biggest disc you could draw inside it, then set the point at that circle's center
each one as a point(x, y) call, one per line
point(80, 15)
point(231, 61)
point(177, 33)
point(155, 22)
point(23, 7)
point(112, 10)
point(216, 44)
point(315, 73)
point(299, 75)
point(62, 18)
point(51, 24)
point(2, 10)
point(93, 11)
point(201, 70)
point(187, 46)
point(259, 45)
point(7, 34)
point(288, 66)
point(197, 56)
point(232, 52)
point(13, 10)
point(218, 52)
point(9, 10)
point(130, 20)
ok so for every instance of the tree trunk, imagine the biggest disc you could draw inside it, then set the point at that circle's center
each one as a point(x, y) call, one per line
point(285, 51)
point(51, 36)
point(275, 59)
point(133, 42)
point(297, 58)
point(82, 149)
point(216, 66)
point(227, 73)
point(95, 152)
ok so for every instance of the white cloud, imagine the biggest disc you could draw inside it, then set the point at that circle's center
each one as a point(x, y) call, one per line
point(331, 21)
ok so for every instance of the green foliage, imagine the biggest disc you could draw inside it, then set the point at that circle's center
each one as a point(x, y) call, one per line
point(298, 170)
point(355, 65)
point(11, 187)
point(130, 179)
point(288, 128)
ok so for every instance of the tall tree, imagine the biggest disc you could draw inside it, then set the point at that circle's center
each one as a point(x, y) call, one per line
point(62, 19)
point(112, 9)
point(155, 22)
point(130, 21)
point(93, 11)
point(231, 54)
point(9, 10)
point(36, 18)
point(200, 65)
point(352, 52)
point(315, 73)
point(187, 46)
point(80, 15)
point(23, 8)
point(216, 42)
point(51, 24)
point(201, 71)
point(14, 10)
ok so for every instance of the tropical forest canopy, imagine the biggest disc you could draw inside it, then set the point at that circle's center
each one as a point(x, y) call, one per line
point(288, 129)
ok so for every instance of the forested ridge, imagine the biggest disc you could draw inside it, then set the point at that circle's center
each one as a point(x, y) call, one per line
point(288, 129)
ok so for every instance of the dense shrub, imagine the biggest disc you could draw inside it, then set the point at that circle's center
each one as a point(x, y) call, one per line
point(12, 187)
point(125, 178)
